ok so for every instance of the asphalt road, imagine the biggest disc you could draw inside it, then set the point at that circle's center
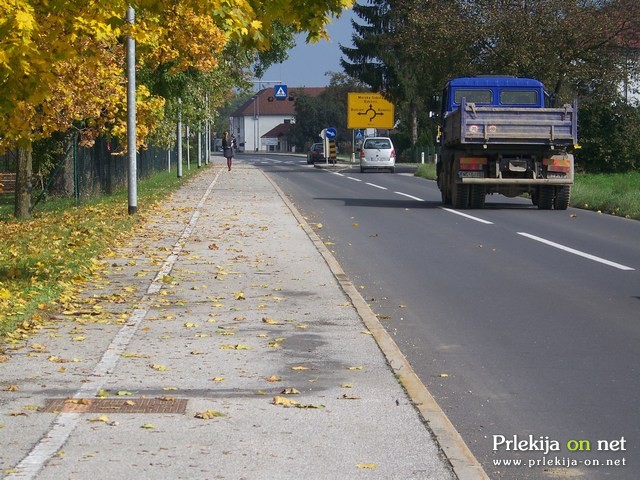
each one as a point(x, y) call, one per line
point(523, 324)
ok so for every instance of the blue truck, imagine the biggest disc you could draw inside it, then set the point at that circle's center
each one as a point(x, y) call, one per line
point(498, 135)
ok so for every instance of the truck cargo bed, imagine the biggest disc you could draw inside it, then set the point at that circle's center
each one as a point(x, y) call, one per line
point(475, 125)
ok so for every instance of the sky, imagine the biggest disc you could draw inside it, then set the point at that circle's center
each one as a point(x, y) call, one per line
point(307, 63)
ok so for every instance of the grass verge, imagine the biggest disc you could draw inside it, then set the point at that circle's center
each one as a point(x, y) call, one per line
point(615, 194)
point(45, 260)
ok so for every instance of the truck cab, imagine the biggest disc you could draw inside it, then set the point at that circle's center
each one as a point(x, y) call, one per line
point(493, 91)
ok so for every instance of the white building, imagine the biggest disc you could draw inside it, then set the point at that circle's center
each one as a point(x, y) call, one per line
point(262, 122)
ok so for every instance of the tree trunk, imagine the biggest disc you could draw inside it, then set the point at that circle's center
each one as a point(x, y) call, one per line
point(24, 174)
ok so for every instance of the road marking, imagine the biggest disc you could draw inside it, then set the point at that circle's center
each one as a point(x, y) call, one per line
point(409, 196)
point(377, 186)
point(576, 252)
point(66, 423)
point(466, 215)
point(354, 179)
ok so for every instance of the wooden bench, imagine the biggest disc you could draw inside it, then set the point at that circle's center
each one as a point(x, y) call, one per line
point(7, 182)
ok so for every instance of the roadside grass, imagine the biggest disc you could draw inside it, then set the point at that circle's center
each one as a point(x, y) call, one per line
point(46, 259)
point(615, 193)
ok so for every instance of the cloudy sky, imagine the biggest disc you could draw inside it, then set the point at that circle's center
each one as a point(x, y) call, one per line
point(307, 64)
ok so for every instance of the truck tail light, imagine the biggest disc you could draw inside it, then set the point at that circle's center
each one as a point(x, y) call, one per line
point(560, 165)
point(472, 163)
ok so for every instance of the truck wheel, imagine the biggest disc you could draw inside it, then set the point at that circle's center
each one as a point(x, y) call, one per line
point(563, 196)
point(443, 185)
point(546, 195)
point(477, 196)
point(460, 196)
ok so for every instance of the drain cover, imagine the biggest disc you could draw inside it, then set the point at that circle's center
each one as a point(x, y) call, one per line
point(115, 405)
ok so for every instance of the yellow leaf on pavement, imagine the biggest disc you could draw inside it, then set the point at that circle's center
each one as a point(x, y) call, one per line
point(208, 414)
point(285, 402)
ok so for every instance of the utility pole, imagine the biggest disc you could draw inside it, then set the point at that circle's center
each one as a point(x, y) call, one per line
point(131, 117)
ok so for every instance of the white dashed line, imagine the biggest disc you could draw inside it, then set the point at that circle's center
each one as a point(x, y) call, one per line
point(354, 179)
point(576, 252)
point(377, 186)
point(409, 196)
point(466, 215)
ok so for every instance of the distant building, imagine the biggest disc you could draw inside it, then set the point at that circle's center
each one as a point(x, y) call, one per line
point(262, 123)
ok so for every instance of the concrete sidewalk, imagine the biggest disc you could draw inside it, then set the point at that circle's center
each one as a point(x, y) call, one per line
point(220, 345)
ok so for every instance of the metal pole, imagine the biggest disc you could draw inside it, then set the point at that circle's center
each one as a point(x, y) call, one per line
point(131, 117)
point(179, 133)
point(200, 146)
point(188, 149)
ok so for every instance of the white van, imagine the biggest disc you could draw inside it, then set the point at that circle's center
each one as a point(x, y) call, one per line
point(377, 152)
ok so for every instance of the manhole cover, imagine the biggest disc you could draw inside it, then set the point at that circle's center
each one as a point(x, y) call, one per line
point(115, 405)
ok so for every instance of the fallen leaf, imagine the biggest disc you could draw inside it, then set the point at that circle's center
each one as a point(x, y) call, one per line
point(208, 414)
point(12, 388)
point(285, 402)
point(348, 397)
point(159, 368)
point(290, 391)
point(367, 466)
point(356, 368)
point(123, 393)
point(299, 367)
point(239, 295)
point(148, 426)
point(270, 321)
point(102, 393)
point(101, 418)
point(217, 379)
point(273, 378)
point(443, 375)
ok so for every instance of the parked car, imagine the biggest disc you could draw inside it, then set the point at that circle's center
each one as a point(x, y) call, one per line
point(378, 152)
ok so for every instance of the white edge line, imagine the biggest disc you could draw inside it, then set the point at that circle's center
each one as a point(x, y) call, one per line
point(409, 196)
point(576, 252)
point(377, 186)
point(466, 215)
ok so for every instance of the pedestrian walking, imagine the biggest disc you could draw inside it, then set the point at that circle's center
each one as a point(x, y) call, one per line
point(227, 148)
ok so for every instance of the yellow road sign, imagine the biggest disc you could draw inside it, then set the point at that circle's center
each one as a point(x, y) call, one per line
point(369, 110)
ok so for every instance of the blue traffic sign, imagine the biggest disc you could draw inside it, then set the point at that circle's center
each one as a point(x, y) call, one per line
point(331, 133)
point(359, 134)
point(280, 92)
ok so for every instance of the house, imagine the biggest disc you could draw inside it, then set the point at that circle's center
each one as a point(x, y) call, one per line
point(262, 123)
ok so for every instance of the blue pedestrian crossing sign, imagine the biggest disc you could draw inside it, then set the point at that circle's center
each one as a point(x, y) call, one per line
point(359, 134)
point(280, 92)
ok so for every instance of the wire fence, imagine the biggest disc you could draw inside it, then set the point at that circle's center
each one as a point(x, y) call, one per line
point(88, 172)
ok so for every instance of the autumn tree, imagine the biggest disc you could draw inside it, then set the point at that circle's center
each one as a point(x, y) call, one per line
point(39, 40)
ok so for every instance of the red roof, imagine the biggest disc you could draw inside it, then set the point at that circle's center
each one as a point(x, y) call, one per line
point(280, 130)
point(268, 105)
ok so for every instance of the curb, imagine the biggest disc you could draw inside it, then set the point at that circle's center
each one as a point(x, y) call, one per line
point(464, 464)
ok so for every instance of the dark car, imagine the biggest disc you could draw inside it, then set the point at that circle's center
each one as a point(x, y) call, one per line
point(315, 153)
